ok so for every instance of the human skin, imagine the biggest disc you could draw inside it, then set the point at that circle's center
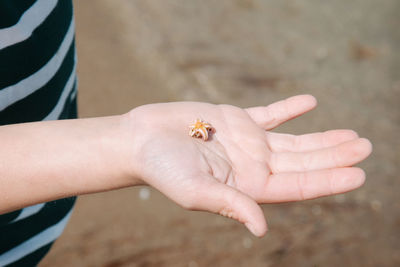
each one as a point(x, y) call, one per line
point(240, 166)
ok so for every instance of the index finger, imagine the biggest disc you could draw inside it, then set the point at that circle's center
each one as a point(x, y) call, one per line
point(277, 113)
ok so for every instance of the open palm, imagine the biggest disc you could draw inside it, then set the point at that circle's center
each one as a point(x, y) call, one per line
point(242, 163)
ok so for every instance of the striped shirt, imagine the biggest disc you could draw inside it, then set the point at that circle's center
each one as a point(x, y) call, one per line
point(37, 82)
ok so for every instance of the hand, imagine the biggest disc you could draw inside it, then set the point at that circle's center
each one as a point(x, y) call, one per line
point(242, 163)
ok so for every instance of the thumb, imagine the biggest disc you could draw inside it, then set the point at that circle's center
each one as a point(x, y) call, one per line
point(227, 201)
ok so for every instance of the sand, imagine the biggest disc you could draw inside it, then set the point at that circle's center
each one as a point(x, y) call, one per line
point(244, 53)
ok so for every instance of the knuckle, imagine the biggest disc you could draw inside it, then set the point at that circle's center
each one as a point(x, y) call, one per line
point(273, 163)
point(189, 205)
point(331, 182)
point(286, 107)
point(228, 212)
point(336, 156)
point(352, 134)
point(297, 142)
point(302, 184)
point(307, 162)
point(270, 115)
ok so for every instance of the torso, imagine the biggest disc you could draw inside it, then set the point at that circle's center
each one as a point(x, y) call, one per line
point(37, 82)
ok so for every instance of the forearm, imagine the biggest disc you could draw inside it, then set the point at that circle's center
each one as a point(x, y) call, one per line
point(44, 161)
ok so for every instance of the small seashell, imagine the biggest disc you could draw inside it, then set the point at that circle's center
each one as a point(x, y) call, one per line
point(200, 129)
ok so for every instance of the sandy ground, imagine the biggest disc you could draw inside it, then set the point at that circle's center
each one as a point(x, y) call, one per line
point(244, 52)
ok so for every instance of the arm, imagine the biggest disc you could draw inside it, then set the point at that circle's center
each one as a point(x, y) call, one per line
point(242, 165)
point(45, 161)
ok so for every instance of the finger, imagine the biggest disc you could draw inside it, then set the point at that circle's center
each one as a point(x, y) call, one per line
point(277, 113)
point(285, 187)
point(229, 202)
point(342, 155)
point(300, 143)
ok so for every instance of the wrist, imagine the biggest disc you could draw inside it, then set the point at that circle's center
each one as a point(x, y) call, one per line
point(119, 144)
point(142, 126)
point(132, 138)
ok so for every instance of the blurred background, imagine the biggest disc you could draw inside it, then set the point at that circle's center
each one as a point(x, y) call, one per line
point(245, 53)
